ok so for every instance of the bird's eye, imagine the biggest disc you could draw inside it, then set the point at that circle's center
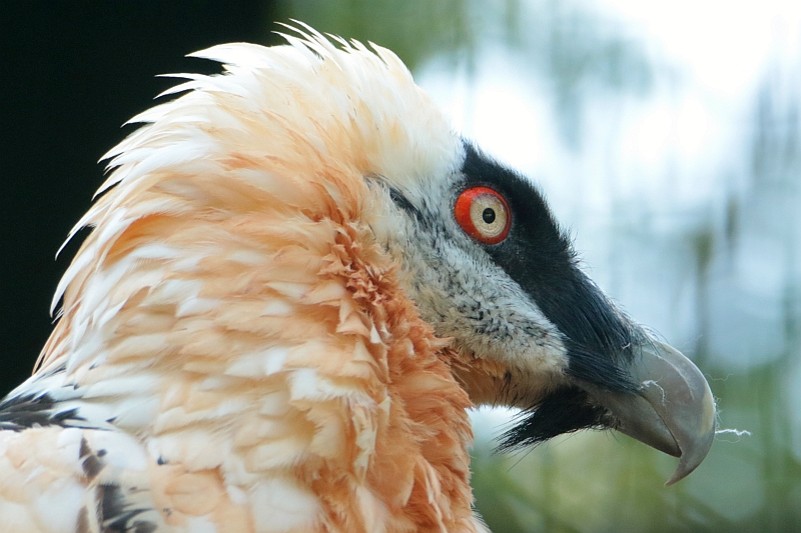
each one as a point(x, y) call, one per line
point(483, 214)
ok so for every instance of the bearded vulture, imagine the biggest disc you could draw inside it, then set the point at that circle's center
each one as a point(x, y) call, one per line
point(298, 282)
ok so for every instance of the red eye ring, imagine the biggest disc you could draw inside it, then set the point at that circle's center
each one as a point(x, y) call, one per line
point(483, 214)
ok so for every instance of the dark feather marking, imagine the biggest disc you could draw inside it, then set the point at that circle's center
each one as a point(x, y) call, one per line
point(144, 527)
point(19, 411)
point(32, 410)
point(401, 201)
point(82, 526)
point(113, 514)
point(90, 462)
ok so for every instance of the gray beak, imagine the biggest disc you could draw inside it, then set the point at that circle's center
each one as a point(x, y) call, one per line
point(673, 410)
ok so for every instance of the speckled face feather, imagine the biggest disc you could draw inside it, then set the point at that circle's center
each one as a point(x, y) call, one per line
point(279, 320)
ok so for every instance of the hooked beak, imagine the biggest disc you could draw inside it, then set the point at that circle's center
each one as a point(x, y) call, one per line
point(672, 411)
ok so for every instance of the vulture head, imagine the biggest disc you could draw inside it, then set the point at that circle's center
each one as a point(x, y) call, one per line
point(300, 278)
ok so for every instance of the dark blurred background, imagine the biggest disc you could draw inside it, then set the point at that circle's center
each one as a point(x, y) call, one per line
point(73, 73)
point(666, 134)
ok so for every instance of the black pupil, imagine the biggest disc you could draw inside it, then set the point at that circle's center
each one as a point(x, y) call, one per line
point(488, 215)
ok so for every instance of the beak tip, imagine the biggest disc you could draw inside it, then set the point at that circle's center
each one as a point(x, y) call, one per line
point(687, 464)
point(694, 449)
